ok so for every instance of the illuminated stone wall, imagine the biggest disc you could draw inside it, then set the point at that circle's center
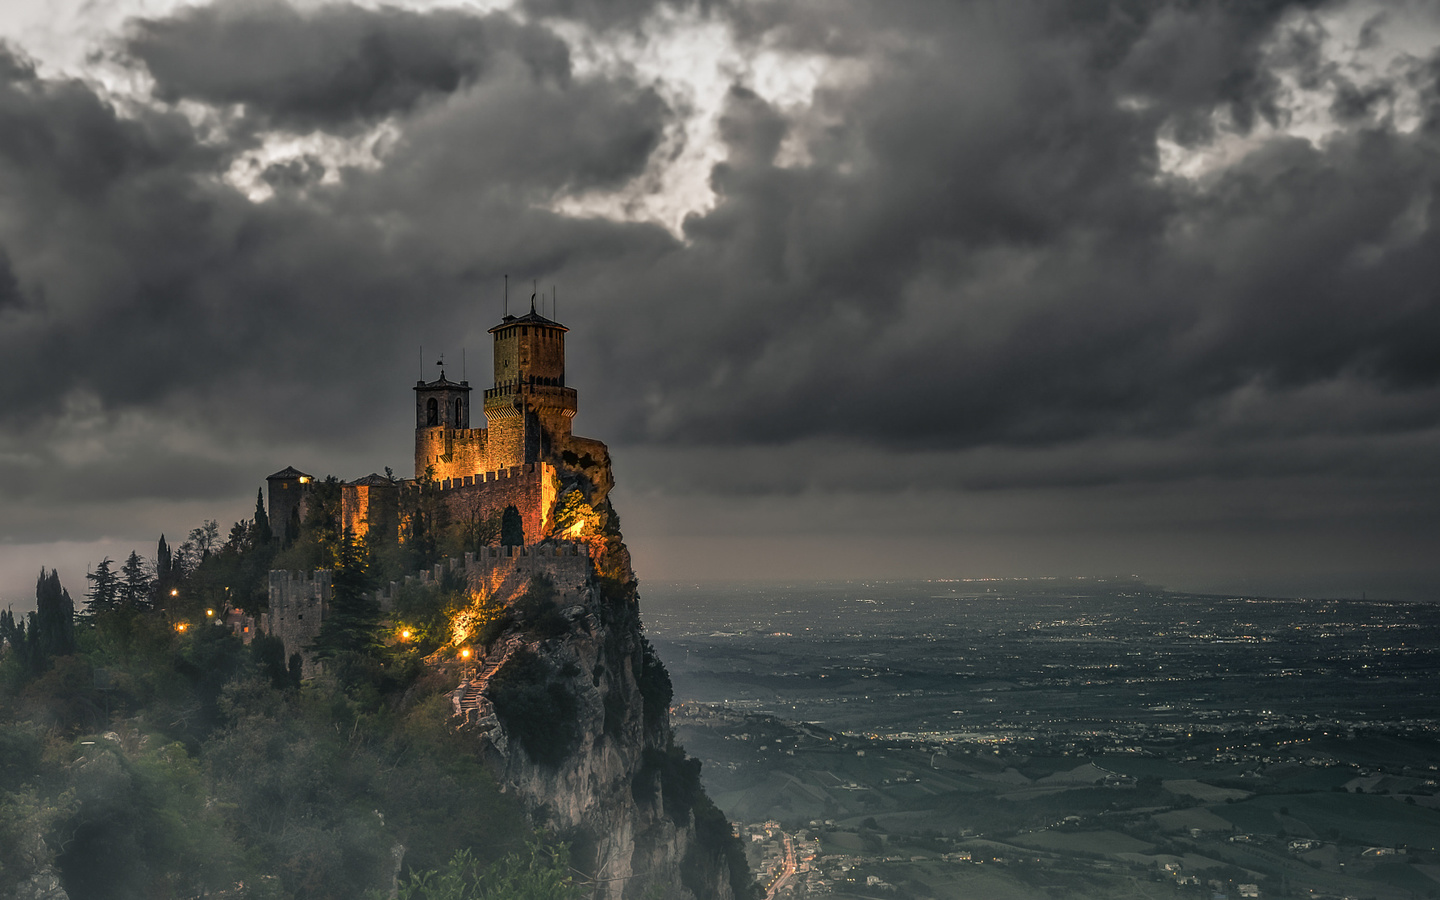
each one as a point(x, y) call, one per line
point(529, 488)
point(300, 602)
point(454, 452)
point(503, 572)
point(527, 349)
point(371, 504)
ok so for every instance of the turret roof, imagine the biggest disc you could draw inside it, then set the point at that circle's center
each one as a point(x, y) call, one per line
point(373, 480)
point(289, 473)
point(530, 318)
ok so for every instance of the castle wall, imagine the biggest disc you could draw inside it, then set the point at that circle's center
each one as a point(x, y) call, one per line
point(454, 452)
point(298, 604)
point(504, 572)
point(370, 507)
point(527, 420)
point(529, 488)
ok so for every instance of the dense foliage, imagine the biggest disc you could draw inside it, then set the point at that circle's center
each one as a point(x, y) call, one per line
point(147, 752)
point(154, 762)
point(537, 707)
point(656, 691)
point(539, 872)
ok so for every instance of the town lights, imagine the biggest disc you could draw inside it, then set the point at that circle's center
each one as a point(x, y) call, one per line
point(465, 654)
point(405, 634)
point(210, 613)
point(181, 626)
point(174, 592)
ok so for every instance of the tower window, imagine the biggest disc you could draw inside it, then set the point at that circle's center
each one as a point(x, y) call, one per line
point(432, 412)
point(459, 407)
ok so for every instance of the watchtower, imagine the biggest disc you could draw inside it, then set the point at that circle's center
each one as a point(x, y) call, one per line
point(529, 410)
point(289, 489)
point(442, 420)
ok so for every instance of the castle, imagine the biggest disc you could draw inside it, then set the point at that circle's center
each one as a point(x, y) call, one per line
point(526, 451)
point(617, 788)
point(526, 457)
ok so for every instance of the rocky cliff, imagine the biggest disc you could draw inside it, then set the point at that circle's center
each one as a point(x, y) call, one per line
point(570, 706)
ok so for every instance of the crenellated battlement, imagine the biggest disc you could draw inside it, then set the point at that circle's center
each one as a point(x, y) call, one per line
point(528, 470)
point(298, 604)
point(299, 601)
point(500, 571)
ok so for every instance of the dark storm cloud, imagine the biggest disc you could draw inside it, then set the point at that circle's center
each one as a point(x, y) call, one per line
point(10, 295)
point(180, 339)
point(984, 250)
point(338, 66)
point(972, 277)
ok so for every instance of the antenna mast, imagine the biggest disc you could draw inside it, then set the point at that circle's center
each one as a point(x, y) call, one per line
point(507, 295)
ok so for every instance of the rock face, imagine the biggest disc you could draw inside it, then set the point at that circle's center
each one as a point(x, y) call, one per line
point(43, 883)
point(580, 731)
point(570, 706)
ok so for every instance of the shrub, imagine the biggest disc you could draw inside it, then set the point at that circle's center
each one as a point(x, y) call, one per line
point(536, 708)
point(536, 608)
point(656, 691)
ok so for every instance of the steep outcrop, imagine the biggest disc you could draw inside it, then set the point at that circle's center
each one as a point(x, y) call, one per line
point(570, 706)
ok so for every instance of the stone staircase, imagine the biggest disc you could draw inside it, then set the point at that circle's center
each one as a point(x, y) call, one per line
point(468, 700)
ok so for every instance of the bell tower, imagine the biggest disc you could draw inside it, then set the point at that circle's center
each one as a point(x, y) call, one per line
point(442, 413)
point(529, 409)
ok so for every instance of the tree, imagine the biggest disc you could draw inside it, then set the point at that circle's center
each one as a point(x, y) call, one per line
point(104, 593)
point(164, 562)
point(352, 624)
point(203, 539)
point(261, 535)
point(12, 634)
point(54, 616)
point(134, 584)
point(512, 529)
point(166, 576)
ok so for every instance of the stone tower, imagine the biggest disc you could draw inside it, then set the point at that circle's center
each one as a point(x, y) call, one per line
point(529, 409)
point(443, 436)
point(528, 412)
point(289, 489)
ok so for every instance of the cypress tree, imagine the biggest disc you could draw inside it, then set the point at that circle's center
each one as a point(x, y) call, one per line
point(54, 616)
point(292, 526)
point(512, 529)
point(12, 633)
point(164, 562)
point(261, 534)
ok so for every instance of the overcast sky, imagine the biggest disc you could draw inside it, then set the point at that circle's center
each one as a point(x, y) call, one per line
point(855, 289)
